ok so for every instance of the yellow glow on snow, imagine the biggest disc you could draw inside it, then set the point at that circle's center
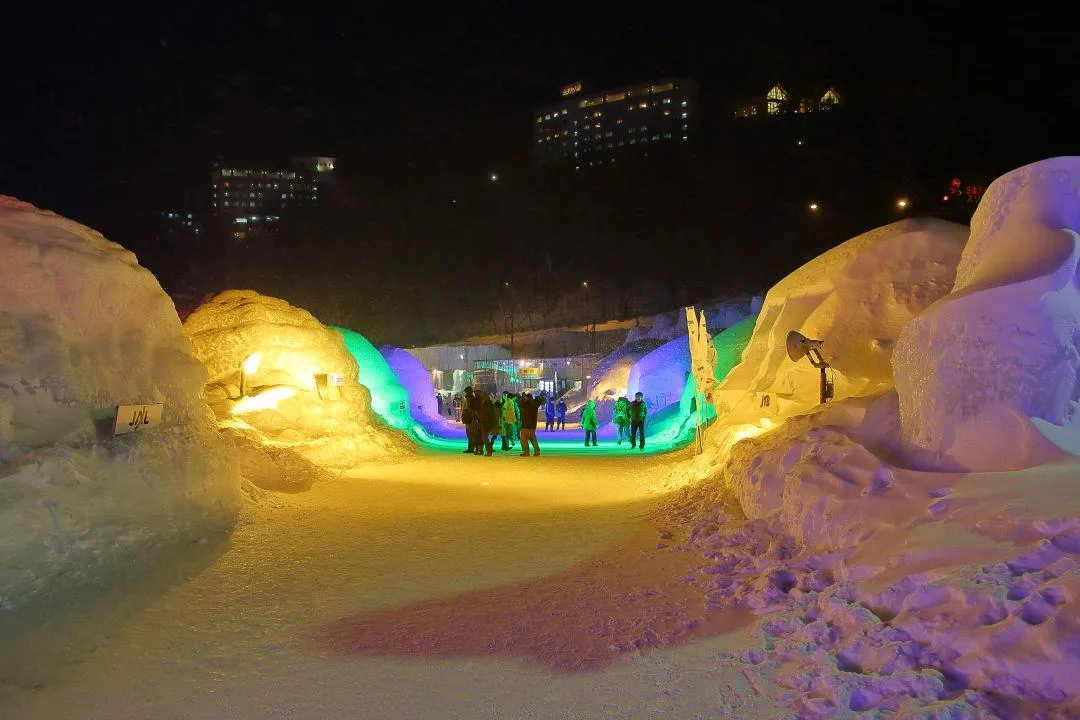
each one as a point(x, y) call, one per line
point(251, 363)
point(267, 400)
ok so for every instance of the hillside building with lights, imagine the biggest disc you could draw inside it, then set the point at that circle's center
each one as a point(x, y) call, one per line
point(587, 129)
point(254, 201)
point(777, 101)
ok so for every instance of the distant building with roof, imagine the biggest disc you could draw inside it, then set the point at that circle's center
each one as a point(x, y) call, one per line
point(777, 101)
point(587, 129)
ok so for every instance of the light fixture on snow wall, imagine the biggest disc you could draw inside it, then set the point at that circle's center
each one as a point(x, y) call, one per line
point(248, 367)
point(799, 346)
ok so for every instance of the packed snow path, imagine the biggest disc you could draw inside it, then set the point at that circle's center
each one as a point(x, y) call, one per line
point(445, 586)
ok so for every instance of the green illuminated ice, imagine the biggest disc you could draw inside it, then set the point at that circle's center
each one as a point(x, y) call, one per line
point(668, 428)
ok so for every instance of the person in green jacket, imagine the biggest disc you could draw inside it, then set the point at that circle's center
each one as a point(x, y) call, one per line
point(589, 422)
point(621, 417)
point(511, 416)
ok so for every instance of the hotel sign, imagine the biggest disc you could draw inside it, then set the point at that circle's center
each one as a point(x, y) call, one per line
point(570, 89)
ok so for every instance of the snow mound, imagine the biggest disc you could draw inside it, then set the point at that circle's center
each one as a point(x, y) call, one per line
point(84, 328)
point(856, 298)
point(973, 370)
point(290, 417)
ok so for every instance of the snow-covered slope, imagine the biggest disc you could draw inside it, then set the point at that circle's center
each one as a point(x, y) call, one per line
point(84, 328)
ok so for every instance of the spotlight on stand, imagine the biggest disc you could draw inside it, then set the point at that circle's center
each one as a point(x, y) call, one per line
point(798, 346)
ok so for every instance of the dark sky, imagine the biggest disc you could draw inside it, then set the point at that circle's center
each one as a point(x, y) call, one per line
point(107, 109)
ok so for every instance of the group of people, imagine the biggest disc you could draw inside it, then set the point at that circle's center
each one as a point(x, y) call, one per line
point(627, 415)
point(508, 416)
point(512, 418)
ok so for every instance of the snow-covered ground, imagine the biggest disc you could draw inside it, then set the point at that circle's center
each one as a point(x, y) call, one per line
point(446, 586)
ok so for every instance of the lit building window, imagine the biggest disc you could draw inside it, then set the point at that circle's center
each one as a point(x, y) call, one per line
point(775, 97)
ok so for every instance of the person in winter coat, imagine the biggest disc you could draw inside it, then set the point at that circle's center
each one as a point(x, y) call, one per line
point(468, 417)
point(549, 414)
point(528, 406)
point(621, 417)
point(510, 418)
point(589, 422)
point(560, 410)
point(638, 412)
point(498, 413)
point(489, 423)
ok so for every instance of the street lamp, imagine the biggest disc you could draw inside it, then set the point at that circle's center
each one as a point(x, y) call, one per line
point(902, 203)
point(589, 320)
point(814, 207)
point(510, 289)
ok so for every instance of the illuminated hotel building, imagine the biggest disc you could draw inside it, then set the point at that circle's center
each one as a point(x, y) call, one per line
point(587, 129)
point(777, 101)
point(255, 200)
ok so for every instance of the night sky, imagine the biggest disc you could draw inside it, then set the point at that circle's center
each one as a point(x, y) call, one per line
point(109, 114)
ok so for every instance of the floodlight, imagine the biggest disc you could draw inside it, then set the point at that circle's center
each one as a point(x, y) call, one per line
point(799, 346)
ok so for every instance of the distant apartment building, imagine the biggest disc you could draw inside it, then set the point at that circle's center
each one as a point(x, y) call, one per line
point(587, 129)
point(256, 200)
point(777, 101)
point(180, 224)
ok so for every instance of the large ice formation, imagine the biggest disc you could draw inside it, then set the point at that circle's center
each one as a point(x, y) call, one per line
point(417, 381)
point(1004, 346)
point(856, 298)
point(292, 419)
point(611, 377)
point(83, 329)
point(661, 375)
point(389, 398)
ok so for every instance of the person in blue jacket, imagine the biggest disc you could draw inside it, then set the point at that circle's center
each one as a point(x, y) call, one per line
point(560, 410)
point(549, 414)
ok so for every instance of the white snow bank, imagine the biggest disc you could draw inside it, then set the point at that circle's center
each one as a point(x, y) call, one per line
point(291, 418)
point(1004, 347)
point(856, 298)
point(84, 328)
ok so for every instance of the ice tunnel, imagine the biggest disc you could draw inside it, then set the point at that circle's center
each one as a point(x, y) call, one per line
point(403, 396)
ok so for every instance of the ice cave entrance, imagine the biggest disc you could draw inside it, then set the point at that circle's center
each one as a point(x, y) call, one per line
point(399, 400)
